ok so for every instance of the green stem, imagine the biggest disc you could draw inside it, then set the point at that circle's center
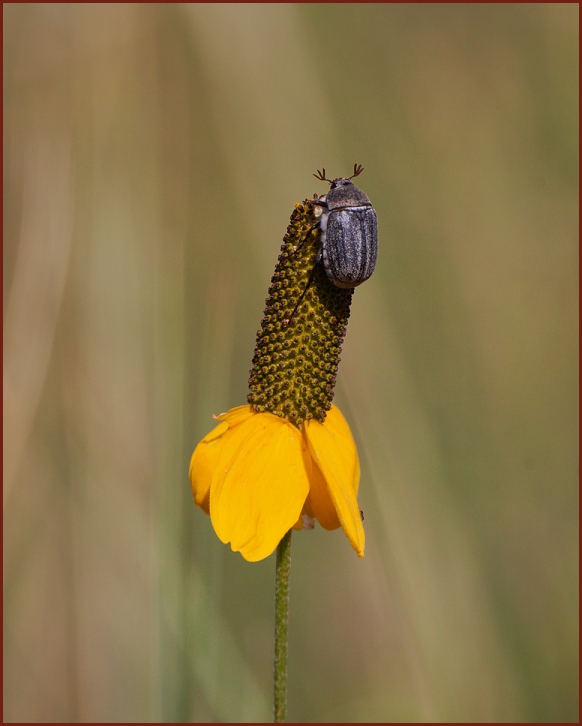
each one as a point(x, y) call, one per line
point(282, 568)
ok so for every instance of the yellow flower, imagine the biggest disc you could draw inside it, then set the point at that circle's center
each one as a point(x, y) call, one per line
point(258, 475)
point(288, 458)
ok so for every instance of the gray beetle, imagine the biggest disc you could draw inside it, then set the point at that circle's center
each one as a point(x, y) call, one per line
point(349, 231)
point(349, 234)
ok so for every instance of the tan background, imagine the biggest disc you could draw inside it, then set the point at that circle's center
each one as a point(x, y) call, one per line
point(152, 158)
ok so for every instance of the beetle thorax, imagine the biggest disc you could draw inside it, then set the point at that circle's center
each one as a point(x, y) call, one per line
point(343, 193)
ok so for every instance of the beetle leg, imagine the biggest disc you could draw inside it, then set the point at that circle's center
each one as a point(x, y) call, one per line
point(304, 240)
point(309, 281)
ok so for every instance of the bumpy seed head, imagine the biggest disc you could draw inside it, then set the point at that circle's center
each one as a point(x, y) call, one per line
point(298, 350)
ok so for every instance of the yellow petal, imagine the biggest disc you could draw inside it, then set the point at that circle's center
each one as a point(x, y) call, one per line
point(203, 465)
point(236, 415)
point(259, 486)
point(320, 500)
point(334, 451)
point(205, 456)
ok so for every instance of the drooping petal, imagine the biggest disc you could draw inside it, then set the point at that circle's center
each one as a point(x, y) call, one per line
point(320, 500)
point(334, 451)
point(203, 464)
point(236, 415)
point(259, 486)
point(205, 456)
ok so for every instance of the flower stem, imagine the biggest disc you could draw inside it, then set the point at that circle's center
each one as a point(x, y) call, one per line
point(282, 568)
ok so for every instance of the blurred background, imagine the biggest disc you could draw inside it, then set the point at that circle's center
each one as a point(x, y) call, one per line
point(152, 157)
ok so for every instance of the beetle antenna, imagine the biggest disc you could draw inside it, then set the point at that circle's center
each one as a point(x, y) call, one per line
point(358, 169)
point(321, 175)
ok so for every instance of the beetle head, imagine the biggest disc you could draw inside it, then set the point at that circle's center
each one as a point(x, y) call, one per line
point(341, 182)
point(343, 193)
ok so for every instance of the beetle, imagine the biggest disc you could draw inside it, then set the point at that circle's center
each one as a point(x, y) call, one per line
point(349, 234)
point(349, 231)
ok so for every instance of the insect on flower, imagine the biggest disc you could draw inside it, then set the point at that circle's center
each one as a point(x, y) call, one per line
point(288, 458)
point(348, 232)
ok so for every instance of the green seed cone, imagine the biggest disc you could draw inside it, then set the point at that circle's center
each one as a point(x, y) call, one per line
point(298, 350)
